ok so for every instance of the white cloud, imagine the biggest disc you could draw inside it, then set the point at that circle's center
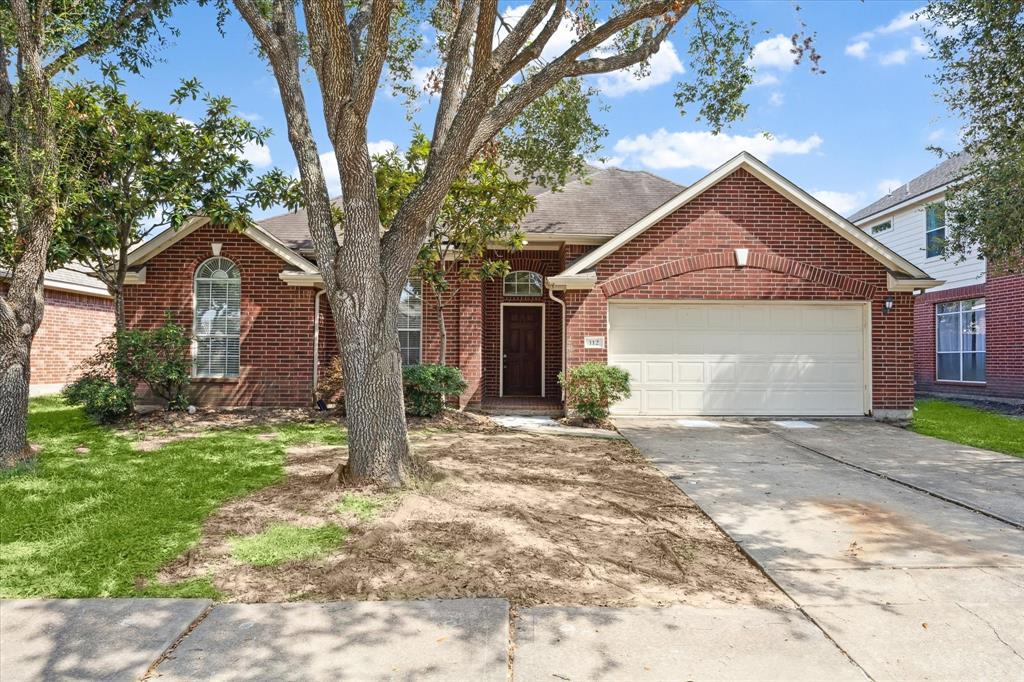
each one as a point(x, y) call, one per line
point(776, 53)
point(250, 116)
point(936, 135)
point(257, 154)
point(842, 203)
point(381, 147)
point(888, 185)
point(329, 164)
point(766, 79)
point(893, 58)
point(858, 49)
point(420, 77)
point(919, 46)
point(664, 64)
point(662, 149)
point(902, 22)
point(776, 99)
point(606, 161)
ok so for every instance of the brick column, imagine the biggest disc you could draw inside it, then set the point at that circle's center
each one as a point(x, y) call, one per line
point(471, 313)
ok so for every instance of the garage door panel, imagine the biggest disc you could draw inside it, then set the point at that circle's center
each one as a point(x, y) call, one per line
point(726, 359)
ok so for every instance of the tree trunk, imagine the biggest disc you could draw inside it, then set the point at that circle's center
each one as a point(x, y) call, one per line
point(15, 347)
point(378, 447)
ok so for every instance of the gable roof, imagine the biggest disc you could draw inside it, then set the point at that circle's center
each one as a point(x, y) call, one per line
point(74, 278)
point(763, 172)
point(143, 252)
point(948, 171)
point(603, 204)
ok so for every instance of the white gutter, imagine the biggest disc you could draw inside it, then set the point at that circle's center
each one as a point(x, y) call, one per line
point(316, 339)
point(551, 295)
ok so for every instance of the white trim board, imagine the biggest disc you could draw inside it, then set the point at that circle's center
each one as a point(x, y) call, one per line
point(501, 347)
point(169, 237)
point(763, 172)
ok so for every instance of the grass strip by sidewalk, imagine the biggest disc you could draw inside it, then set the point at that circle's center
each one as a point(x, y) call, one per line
point(970, 426)
point(95, 517)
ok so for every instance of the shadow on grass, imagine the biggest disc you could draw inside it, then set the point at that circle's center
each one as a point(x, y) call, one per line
point(95, 517)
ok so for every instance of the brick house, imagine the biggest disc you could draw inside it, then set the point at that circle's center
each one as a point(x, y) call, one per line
point(740, 295)
point(969, 330)
point(78, 314)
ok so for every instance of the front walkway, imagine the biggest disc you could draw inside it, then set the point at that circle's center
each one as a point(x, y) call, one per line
point(871, 530)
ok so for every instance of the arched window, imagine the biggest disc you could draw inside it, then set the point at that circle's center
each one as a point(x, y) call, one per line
point(524, 283)
point(216, 317)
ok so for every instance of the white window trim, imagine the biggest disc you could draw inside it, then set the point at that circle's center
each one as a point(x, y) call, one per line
point(543, 349)
point(961, 351)
point(195, 339)
point(410, 329)
point(505, 283)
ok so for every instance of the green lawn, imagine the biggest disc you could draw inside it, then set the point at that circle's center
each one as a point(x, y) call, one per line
point(94, 517)
point(970, 426)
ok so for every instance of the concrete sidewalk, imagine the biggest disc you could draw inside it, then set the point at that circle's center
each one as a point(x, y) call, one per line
point(909, 585)
point(464, 639)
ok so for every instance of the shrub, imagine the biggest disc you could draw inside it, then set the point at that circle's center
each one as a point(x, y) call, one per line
point(161, 358)
point(100, 398)
point(332, 382)
point(427, 385)
point(591, 388)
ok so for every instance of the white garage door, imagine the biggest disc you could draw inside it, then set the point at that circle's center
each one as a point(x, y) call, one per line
point(740, 359)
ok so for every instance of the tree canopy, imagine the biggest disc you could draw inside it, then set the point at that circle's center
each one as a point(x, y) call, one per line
point(979, 47)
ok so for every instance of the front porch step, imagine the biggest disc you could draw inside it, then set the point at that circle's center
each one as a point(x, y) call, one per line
point(522, 408)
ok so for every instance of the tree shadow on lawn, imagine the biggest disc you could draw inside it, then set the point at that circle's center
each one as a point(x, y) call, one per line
point(97, 517)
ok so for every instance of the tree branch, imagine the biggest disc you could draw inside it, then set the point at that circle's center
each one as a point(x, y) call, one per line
point(456, 74)
point(99, 39)
point(373, 57)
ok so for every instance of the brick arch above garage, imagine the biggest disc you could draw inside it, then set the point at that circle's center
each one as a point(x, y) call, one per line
point(747, 281)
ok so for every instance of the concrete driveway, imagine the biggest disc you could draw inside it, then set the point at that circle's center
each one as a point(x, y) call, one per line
point(907, 551)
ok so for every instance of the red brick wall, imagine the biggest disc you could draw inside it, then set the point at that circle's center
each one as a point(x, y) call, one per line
point(1004, 338)
point(813, 262)
point(73, 326)
point(277, 319)
point(546, 263)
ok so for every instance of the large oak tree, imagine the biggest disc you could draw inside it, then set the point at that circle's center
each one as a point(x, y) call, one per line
point(493, 75)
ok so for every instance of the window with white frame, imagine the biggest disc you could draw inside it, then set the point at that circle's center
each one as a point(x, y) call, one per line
point(935, 230)
point(410, 323)
point(960, 340)
point(524, 283)
point(216, 319)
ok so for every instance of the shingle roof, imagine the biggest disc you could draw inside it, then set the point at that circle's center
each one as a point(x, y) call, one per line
point(292, 228)
point(74, 273)
point(946, 172)
point(603, 204)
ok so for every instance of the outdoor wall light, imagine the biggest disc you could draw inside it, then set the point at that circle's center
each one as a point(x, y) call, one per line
point(888, 304)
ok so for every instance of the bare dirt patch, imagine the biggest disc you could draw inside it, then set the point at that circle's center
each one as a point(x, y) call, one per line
point(537, 519)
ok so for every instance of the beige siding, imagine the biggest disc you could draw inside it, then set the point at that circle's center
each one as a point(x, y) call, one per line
point(906, 237)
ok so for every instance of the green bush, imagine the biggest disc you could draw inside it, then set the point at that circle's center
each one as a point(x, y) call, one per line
point(161, 358)
point(101, 399)
point(427, 385)
point(591, 388)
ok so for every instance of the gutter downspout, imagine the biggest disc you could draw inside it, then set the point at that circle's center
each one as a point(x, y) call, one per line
point(316, 340)
point(551, 295)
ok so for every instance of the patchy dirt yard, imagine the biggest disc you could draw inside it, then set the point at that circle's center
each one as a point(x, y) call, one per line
point(537, 519)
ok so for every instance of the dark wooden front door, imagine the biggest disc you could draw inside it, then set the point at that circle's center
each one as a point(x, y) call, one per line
point(522, 344)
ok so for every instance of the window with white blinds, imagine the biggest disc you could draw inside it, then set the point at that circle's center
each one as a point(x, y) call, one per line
point(216, 319)
point(410, 323)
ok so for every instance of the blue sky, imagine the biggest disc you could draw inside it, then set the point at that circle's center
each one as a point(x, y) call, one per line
point(848, 136)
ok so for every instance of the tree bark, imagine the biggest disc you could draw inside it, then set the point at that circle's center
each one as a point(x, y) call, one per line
point(17, 328)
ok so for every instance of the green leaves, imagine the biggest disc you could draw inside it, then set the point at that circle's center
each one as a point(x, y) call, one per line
point(979, 47)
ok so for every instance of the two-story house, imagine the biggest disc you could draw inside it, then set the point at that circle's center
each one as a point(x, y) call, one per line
point(969, 331)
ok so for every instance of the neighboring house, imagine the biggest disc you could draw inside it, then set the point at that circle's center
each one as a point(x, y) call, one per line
point(968, 331)
point(740, 295)
point(78, 315)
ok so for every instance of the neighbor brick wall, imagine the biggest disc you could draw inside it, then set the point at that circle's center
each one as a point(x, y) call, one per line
point(73, 326)
point(1004, 337)
point(792, 257)
point(276, 325)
